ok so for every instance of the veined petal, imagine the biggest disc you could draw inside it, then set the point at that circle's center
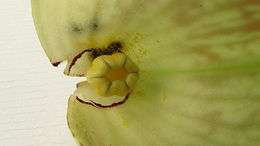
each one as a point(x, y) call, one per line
point(199, 78)
point(176, 109)
point(85, 94)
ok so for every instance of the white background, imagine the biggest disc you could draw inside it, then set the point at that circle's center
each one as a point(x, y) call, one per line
point(33, 94)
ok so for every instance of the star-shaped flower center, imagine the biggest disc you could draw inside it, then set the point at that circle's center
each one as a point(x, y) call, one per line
point(113, 74)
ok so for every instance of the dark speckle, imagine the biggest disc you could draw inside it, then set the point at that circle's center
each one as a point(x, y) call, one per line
point(76, 28)
point(93, 25)
point(114, 47)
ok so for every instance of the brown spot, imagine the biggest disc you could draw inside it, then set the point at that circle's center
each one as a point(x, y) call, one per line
point(92, 103)
point(56, 63)
point(205, 52)
point(183, 15)
point(249, 2)
point(252, 26)
point(79, 75)
point(75, 75)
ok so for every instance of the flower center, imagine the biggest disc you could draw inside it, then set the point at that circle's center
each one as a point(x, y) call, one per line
point(117, 74)
point(114, 74)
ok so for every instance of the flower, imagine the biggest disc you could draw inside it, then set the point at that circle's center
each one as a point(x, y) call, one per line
point(198, 61)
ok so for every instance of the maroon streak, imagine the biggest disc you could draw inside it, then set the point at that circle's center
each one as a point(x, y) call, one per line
point(56, 63)
point(104, 106)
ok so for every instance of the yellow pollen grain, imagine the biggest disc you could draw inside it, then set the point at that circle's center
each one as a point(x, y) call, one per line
point(117, 74)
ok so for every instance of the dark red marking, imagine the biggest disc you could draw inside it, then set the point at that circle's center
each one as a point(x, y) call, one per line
point(114, 47)
point(103, 106)
point(56, 63)
point(80, 75)
point(76, 75)
point(84, 102)
point(76, 58)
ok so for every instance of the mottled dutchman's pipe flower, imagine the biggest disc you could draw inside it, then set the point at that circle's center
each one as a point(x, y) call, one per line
point(157, 72)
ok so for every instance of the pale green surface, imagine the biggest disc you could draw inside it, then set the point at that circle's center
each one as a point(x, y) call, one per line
point(199, 61)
